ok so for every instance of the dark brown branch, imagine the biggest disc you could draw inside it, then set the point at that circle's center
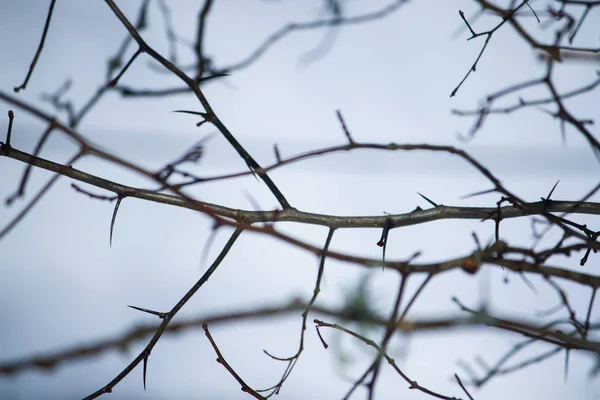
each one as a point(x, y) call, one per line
point(518, 260)
point(293, 359)
point(38, 147)
point(331, 221)
point(346, 222)
point(588, 7)
point(221, 360)
point(92, 195)
point(86, 147)
point(130, 92)
point(586, 324)
point(201, 58)
point(390, 329)
point(344, 127)
point(38, 52)
point(158, 332)
point(115, 80)
point(211, 116)
point(138, 333)
point(488, 35)
point(19, 217)
point(498, 367)
point(382, 354)
point(463, 387)
point(11, 118)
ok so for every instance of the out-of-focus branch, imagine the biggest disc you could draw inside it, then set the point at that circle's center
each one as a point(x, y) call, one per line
point(576, 236)
point(409, 326)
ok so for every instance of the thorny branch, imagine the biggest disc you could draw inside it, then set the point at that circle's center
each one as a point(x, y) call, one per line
point(291, 361)
point(553, 52)
point(166, 319)
point(382, 354)
point(221, 360)
point(409, 326)
point(577, 237)
point(39, 49)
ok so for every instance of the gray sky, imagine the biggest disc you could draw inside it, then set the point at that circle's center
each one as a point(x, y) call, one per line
point(61, 284)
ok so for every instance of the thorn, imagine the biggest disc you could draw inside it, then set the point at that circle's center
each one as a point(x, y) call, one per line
point(478, 193)
point(214, 76)
point(384, 235)
point(476, 241)
point(547, 200)
point(387, 225)
point(204, 115)
point(344, 127)
point(428, 200)
point(277, 155)
point(159, 314)
point(114, 217)
point(414, 256)
point(145, 370)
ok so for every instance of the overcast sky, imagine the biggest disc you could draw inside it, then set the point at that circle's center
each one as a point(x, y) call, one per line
point(61, 284)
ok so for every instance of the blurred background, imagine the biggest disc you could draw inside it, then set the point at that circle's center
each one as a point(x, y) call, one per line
point(62, 285)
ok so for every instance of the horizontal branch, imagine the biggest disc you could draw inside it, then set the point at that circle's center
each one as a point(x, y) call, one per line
point(293, 215)
point(247, 218)
point(570, 228)
point(123, 341)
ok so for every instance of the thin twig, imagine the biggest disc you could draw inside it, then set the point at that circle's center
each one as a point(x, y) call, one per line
point(38, 52)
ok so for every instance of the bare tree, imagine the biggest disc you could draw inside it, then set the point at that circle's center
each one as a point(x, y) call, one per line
point(559, 232)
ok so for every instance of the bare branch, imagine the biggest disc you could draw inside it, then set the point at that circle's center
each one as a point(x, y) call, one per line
point(38, 52)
